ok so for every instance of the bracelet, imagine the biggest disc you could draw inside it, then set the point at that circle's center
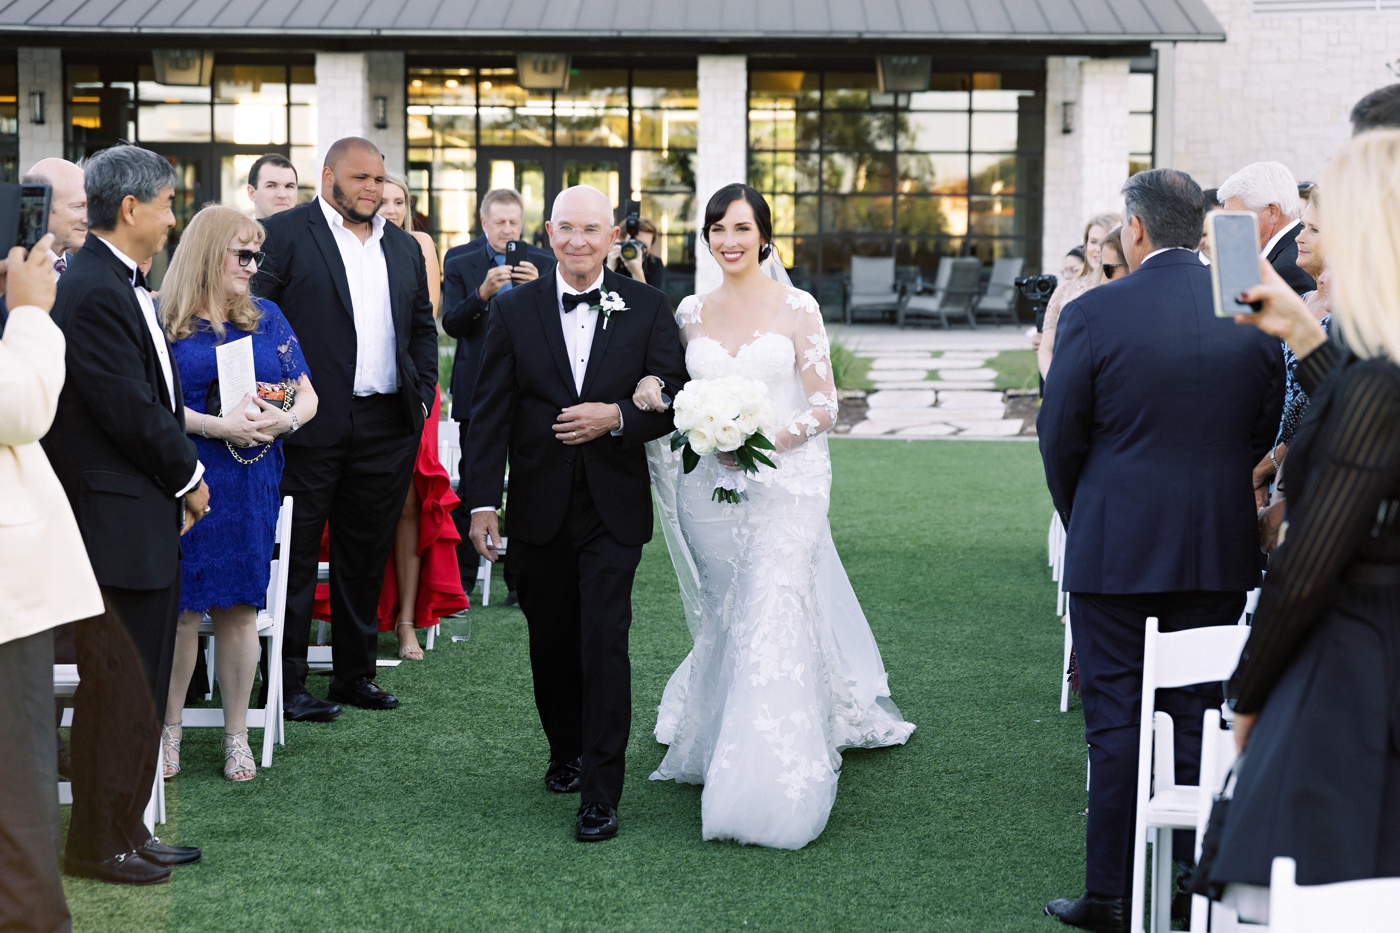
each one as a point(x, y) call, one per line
point(1273, 459)
point(203, 423)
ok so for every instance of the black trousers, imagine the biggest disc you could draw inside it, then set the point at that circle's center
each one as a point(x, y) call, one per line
point(1109, 631)
point(576, 592)
point(31, 892)
point(124, 661)
point(358, 485)
point(467, 558)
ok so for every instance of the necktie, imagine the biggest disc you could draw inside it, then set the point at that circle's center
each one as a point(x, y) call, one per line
point(60, 266)
point(500, 260)
point(590, 298)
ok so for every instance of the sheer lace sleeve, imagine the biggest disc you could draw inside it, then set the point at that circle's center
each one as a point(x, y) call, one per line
point(814, 369)
point(688, 317)
point(288, 347)
point(1354, 464)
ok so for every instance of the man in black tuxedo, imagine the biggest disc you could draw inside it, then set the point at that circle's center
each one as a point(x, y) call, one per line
point(355, 290)
point(555, 396)
point(1270, 190)
point(1155, 413)
point(119, 448)
point(473, 279)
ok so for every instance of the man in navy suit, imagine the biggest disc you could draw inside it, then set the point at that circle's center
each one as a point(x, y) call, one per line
point(1155, 412)
point(471, 280)
point(462, 250)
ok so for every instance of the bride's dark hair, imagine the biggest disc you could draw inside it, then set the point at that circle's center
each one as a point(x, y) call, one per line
point(719, 205)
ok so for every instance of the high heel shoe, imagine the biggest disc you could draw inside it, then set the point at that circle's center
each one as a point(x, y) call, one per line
point(238, 757)
point(170, 749)
point(408, 650)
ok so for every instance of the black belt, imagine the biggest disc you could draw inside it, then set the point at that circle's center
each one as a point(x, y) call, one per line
point(1360, 573)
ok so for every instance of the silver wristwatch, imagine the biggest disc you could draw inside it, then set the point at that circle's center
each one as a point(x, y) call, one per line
point(296, 424)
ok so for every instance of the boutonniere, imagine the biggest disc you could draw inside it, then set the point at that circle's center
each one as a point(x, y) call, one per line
point(608, 303)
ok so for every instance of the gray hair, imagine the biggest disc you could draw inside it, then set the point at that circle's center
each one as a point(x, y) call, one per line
point(498, 196)
point(123, 170)
point(1169, 204)
point(1260, 184)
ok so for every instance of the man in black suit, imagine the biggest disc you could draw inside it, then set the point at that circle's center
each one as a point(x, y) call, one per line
point(355, 290)
point(1155, 413)
point(473, 279)
point(119, 448)
point(1270, 190)
point(555, 396)
point(470, 246)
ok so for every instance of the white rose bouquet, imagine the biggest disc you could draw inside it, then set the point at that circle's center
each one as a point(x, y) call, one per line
point(730, 415)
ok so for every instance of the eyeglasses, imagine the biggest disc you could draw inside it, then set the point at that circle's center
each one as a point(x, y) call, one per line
point(246, 256)
point(1108, 268)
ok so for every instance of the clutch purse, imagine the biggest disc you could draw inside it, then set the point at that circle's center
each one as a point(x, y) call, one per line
point(281, 394)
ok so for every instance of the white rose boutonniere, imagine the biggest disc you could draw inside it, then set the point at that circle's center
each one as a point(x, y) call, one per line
point(608, 303)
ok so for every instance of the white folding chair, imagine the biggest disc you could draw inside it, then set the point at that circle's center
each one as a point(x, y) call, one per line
point(1173, 659)
point(271, 623)
point(483, 571)
point(1064, 664)
point(65, 684)
point(1369, 906)
point(1217, 756)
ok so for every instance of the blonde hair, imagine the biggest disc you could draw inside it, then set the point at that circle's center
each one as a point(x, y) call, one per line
point(1107, 221)
point(401, 182)
point(195, 280)
point(1361, 240)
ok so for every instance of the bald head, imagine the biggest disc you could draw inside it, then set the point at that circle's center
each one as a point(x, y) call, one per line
point(581, 231)
point(342, 148)
point(352, 180)
point(68, 210)
point(580, 202)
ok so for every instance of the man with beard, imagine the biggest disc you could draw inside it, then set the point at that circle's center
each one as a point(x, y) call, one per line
point(355, 290)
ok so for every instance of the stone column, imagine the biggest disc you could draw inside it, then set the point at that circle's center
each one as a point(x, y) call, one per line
point(40, 70)
point(1085, 167)
point(342, 98)
point(386, 79)
point(721, 156)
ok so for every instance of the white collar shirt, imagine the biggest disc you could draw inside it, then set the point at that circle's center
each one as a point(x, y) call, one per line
point(148, 312)
point(1273, 240)
point(1158, 252)
point(579, 321)
point(367, 274)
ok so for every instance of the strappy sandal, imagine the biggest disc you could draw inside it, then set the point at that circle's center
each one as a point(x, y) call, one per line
point(409, 651)
point(170, 749)
point(238, 757)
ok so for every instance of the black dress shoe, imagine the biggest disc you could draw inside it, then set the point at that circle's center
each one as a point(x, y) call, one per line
point(1092, 912)
point(564, 777)
point(512, 601)
point(127, 868)
point(364, 693)
point(161, 854)
point(303, 707)
point(596, 822)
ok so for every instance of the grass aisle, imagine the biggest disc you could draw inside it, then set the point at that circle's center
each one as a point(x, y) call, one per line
point(435, 818)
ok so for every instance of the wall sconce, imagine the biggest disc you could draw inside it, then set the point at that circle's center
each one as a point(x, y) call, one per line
point(1067, 121)
point(381, 113)
point(36, 106)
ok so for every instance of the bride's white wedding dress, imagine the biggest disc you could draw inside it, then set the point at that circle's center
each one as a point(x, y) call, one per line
point(785, 672)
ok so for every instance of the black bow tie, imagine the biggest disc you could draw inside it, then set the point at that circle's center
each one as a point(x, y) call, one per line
point(139, 279)
point(590, 298)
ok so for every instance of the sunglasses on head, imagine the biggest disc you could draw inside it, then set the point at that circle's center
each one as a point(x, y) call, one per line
point(246, 256)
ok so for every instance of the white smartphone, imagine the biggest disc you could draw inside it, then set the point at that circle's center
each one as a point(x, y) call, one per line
point(1234, 259)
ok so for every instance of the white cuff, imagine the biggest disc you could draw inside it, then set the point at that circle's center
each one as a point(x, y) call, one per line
point(620, 423)
point(194, 480)
point(484, 508)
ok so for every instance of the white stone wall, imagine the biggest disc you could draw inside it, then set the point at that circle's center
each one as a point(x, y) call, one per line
point(721, 156)
point(40, 70)
point(1279, 88)
point(1086, 167)
point(342, 98)
point(386, 77)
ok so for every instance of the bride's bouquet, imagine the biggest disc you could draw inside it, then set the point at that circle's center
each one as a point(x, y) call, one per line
point(730, 415)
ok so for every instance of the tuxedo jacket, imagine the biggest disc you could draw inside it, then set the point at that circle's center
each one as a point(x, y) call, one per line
point(1284, 258)
point(305, 276)
point(464, 317)
point(1155, 413)
point(117, 446)
point(526, 381)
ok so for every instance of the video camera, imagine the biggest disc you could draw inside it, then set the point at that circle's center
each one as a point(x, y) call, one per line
point(1037, 289)
point(632, 248)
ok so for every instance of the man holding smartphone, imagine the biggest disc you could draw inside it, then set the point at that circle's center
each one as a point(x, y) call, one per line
point(470, 282)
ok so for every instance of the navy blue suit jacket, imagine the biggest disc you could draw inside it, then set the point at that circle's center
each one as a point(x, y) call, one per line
point(1155, 413)
point(462, 250)
point(464, 317)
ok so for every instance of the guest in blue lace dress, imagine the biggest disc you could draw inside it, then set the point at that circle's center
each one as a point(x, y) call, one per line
point(204, 302)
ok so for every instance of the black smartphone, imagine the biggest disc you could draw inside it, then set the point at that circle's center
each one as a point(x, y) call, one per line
point(517, 251)
point(1234, 259)
point(24, 215)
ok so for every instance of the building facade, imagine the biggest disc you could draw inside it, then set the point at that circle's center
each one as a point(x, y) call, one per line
point(918, 130)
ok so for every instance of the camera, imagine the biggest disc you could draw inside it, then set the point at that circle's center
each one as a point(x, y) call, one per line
point(1037, 289)
point(632, 248)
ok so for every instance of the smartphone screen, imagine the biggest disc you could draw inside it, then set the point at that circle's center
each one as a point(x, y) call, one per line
point(1234, 241)
point(33, 214)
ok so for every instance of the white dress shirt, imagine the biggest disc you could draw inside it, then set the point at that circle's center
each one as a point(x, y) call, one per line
point(1165, 249)
point(376, 365)
point(148, 311)
point(579, 321)
point(1273, 240)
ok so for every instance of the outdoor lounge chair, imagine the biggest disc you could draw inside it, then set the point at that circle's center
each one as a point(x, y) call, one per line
point(999, 302)
point(955, 299)
point(872, 287)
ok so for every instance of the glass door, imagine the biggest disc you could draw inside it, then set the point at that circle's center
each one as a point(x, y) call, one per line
point(540, 173)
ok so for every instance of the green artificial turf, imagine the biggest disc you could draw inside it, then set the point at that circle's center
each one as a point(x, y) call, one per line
point(435, 817)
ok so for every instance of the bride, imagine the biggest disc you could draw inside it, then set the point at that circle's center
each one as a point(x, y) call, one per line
point(785, 672)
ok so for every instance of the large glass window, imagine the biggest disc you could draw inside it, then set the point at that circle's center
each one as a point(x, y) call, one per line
point(849, 170)
point(1142, 100)
point(9, 122)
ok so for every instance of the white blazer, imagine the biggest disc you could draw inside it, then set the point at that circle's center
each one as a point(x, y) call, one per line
point(45, 577)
